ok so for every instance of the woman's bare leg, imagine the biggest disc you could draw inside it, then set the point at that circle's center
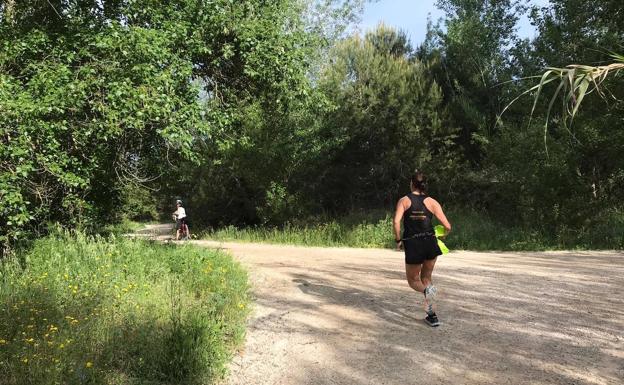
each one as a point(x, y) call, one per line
point(425, 272)
point(413, 273)
point(425, 277)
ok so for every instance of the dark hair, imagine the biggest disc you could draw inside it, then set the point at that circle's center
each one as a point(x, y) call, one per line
point(419, 181)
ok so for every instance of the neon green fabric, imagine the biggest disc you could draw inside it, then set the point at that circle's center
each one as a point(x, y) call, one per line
point(439, 232)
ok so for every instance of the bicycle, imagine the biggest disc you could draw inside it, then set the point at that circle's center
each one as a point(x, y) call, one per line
point(185, 234)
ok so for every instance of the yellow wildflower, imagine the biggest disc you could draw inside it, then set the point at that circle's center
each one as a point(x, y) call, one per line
point(89, 364)
point(3, 342)
point(25, 360)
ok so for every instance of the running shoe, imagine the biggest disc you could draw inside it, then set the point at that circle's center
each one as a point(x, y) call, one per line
point(432, 320)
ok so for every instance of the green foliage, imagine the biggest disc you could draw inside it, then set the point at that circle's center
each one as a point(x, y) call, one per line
point(388, 119)
point(96, 96)
point(82, 109)
point(473, 229)
point(77, 310)
point(577, 182)
point(121, 228)
point(139, 203)
point(470, 57)
point(569, 185)
point(372, 230)
point(263, 113)
point(259, 157)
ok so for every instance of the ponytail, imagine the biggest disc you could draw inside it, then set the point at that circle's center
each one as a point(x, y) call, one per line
point(419, 181)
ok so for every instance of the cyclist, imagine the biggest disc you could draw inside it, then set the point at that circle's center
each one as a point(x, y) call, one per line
point(181, 221)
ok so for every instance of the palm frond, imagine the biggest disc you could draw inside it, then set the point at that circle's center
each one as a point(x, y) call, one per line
point(581, 80)
point(576, 81)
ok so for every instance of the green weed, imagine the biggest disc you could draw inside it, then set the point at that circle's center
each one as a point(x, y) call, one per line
point(472, 230)
point(88, 310)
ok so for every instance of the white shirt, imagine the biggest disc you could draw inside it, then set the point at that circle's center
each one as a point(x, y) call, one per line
point(180, 213)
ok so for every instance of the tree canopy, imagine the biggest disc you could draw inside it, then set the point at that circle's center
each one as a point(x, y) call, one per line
point(261, 112)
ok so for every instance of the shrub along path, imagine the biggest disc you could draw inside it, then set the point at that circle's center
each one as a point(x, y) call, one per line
point(346, 316)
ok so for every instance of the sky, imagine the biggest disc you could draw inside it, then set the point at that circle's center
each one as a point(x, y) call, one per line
point(411, 16)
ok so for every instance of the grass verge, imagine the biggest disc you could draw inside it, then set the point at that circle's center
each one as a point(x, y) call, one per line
point(367, 231)
point(472, 230)
point(88, 310)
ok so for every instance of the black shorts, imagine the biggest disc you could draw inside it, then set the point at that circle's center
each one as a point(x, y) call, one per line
point(180, 222)
point(420, 249)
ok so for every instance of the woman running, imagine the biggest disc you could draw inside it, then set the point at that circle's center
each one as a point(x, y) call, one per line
point(419, 240)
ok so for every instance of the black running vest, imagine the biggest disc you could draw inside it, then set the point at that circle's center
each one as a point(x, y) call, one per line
point(417, 218)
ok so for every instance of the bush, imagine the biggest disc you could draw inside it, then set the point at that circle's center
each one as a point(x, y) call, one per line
point(83, 310)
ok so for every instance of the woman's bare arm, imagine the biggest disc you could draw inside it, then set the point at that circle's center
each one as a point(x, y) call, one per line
point(398, 216)
point(436, 209)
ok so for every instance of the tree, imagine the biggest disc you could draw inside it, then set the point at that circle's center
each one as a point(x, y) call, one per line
point(576, 182)
point(472, 55)
point(573, 31)
point(99, 95)
point(387, 120)
point(249, 168)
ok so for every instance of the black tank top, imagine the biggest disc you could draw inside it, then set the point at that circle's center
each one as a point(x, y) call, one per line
point(417, 218)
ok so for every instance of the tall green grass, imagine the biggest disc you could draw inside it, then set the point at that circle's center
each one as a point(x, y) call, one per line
point(81, 310)
point(472, 230)
point(125, 226)
point(476, 230)
point(334, 233)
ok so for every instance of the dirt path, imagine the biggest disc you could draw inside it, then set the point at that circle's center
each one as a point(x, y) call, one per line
point(346, 316)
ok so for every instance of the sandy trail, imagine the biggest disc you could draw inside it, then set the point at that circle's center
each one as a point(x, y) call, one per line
point(347, 316)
